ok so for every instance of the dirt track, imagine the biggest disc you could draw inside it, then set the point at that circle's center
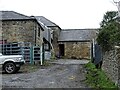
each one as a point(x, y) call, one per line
point(63, 74)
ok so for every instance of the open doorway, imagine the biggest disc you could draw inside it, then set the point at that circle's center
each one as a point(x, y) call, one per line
point(61, 49)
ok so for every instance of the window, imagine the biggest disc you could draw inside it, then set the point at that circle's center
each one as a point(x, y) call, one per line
point(38, 31)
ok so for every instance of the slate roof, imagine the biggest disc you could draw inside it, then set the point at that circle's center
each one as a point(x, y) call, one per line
point(39, 21)
point(46, 33)
point(11, 15)
point(45, 21)
point(77, 35)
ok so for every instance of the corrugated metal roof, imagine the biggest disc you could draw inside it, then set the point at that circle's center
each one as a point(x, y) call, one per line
point(77, 34)
point(11, 15)
point(45, 21)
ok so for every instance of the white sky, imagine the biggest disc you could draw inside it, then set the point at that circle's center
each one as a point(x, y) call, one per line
point(68, 14)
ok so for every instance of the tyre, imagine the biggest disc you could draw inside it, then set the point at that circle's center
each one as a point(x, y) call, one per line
point(10, 68)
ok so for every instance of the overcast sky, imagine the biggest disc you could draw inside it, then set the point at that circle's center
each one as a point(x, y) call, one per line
point(68, 14)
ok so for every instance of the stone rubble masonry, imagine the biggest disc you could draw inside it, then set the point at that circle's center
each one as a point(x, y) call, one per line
point(21, 31)
point(78, 50)
point(111, 65)
point(55, 44)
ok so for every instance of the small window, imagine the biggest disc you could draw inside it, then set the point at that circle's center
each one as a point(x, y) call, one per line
point(38, 31)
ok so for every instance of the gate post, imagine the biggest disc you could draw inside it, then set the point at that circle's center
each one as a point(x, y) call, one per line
point(92, 50)
point(42, 54)
point(31, 55)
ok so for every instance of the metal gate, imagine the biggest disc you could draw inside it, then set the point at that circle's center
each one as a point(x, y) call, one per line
point(26, 49)
point(97, 54)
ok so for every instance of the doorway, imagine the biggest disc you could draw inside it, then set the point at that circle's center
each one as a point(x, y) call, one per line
point(61, 49)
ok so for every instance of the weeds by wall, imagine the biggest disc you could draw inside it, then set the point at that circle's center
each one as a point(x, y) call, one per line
point(97, 78)
point(111, 64)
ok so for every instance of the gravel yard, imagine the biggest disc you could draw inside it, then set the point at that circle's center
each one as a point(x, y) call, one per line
point(62, 74)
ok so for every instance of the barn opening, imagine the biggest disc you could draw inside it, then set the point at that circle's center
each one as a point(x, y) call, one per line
point(61, 49)
point(76, 43)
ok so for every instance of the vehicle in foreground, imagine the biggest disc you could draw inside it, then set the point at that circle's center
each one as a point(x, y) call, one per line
point(11, 63)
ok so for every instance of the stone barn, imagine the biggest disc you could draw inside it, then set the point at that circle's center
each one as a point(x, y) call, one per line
point(47, 38)
point(54, 30)
point(76, 43)
point(17, 27)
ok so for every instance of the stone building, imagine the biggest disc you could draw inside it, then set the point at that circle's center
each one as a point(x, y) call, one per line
point(17, 27)
point(76, 43)
point(54, 30)
point(47, 38)
point(71, 43)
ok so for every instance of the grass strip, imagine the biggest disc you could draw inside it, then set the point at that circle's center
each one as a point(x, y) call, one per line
point(96, 78)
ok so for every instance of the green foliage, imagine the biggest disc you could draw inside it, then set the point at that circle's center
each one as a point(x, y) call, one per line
point(96, 78)
point(47, 63)
point(29, 68)
point(103, 40)
point(109, 32)
point(108, 18)
point(53, 55)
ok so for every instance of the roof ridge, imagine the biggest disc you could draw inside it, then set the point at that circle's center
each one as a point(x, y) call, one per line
point(47, 20)
point(82, 29)
point(10, 15)
point(22, 14)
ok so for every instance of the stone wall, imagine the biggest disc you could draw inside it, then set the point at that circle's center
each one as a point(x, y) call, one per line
point(56, 31)
point(111, 64)
point(39, 39)
point(21, 31)
point(78, 50)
